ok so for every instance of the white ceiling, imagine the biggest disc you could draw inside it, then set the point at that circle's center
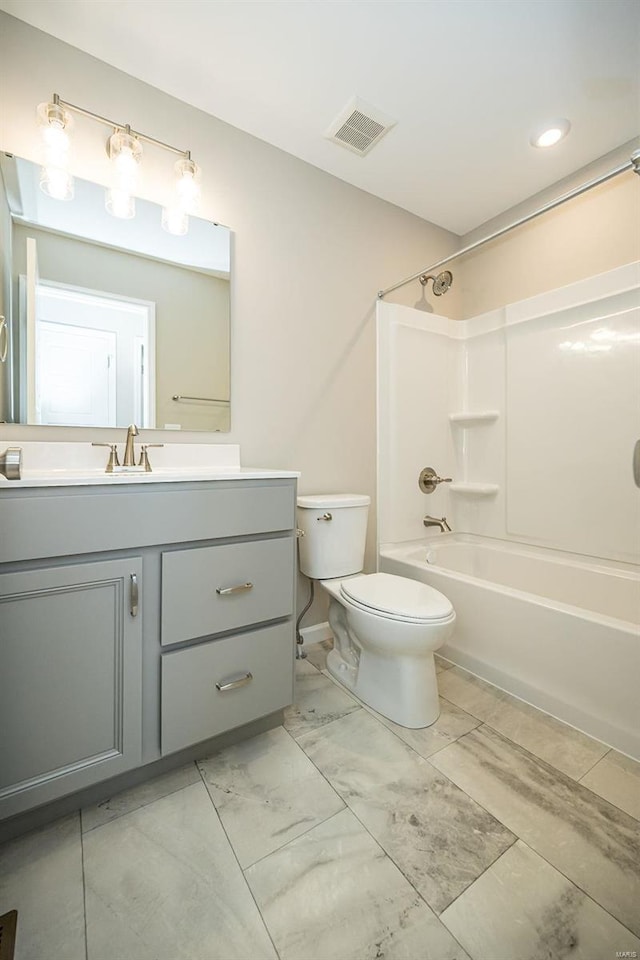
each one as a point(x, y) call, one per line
point(466, 80)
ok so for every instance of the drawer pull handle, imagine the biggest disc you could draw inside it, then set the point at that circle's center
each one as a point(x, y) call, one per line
point(233, 684)
point(133, 608)
point(227, 591)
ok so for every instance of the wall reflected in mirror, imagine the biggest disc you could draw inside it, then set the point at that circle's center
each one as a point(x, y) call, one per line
point(110, 321)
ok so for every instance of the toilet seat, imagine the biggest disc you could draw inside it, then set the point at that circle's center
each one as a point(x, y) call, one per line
point(396, 598)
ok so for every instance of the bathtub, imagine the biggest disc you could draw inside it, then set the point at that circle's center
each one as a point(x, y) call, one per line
point(558, 630)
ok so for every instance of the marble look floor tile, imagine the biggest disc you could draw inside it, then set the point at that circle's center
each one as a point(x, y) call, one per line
point(553, 741)
point(617, 779)
point(138, 796)
point(522, 907)
point(593, 843)
point(441, 664)
point(348, 899)
point(441, 840)
point(451, 724)
point(317, 653)
point(317, 701)
point(267, 791)
point(41, 878)
point(162, 883)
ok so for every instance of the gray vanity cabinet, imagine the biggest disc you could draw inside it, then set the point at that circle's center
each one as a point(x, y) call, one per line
point(70, 679)
point(93, 684)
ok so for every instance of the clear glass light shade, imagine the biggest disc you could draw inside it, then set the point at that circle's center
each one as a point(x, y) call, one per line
point(56, 183)
point(187, 185)
point(55, 180)
point(120, 203)
point(175, 220)
point(125, 153)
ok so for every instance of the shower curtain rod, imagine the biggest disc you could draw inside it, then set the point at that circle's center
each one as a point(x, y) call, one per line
point(632, 164)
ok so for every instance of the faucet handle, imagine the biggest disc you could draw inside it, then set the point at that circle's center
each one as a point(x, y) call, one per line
point(144, 456)
point(429, 480)
point(113, 455)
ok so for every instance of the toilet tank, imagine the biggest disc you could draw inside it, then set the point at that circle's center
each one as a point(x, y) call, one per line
point(335, 531)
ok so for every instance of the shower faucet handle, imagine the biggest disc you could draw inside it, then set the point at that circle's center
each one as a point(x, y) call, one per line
point(429, 480)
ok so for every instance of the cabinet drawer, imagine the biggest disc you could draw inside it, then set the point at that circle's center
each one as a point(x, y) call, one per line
point(209, 590)
point(225, 683)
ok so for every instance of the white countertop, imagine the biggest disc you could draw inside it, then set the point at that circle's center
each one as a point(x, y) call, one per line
point(79, 464)
point(78, 479)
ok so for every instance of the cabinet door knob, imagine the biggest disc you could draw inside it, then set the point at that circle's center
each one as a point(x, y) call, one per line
point(134, 596)
point(233, 684)
point(227, 591)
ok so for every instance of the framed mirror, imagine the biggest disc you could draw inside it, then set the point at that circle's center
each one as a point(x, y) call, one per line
point(110, 321)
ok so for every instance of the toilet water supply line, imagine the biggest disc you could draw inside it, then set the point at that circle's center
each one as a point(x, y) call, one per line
point(300, 653)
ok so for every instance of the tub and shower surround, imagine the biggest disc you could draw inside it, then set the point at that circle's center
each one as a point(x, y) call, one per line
point(533, 410)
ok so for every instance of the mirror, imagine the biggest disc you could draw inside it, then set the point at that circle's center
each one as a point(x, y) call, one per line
point(109, 321)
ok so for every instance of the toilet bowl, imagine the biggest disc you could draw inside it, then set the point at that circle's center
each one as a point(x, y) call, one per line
point(386, 628)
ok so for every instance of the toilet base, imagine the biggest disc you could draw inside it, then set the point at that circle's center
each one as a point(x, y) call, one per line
point(403, 689)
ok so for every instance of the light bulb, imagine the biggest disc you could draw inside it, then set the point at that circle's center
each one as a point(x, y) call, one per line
point(56, 144)
point(125, 152)
point(54, 122)
point(56, 183)
point(187, 186)
point(551, 134)
point(120, 203)
point(175, 221)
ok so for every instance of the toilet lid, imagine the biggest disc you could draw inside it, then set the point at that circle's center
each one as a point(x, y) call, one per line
point(397, 597)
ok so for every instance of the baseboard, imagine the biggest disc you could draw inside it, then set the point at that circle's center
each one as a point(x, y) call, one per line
point(316, 634)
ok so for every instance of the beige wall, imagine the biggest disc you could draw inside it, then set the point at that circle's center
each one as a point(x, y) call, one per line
point(309, 252)
point(590, 234)
point(192, 310)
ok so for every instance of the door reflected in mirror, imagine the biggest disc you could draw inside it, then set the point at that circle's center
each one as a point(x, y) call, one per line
point(110, 322)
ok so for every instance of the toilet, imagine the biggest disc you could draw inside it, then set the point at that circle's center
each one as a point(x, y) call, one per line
point(386, 628)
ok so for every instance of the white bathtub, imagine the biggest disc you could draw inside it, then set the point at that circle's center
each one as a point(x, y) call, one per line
point(558, 630)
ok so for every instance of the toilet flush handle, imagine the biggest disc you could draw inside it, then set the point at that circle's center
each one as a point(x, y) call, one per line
point(325, 516)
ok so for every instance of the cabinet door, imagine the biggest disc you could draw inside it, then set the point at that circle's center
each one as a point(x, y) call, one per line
point(70, 679)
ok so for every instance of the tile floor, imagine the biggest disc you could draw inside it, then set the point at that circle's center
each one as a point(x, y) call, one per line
point(498, 833)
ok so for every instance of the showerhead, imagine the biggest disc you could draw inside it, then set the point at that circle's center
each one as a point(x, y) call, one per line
point(441, 283)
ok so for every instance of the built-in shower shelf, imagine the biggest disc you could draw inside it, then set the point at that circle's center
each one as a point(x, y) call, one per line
point(469, 417)
point(469, 489)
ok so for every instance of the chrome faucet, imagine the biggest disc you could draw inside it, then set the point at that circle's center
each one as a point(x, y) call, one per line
point(129, 453)
point(434, 522)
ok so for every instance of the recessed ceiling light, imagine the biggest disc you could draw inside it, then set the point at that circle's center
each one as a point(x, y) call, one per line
point(551, 134)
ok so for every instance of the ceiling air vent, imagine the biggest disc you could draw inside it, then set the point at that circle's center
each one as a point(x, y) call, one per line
point(359, 127)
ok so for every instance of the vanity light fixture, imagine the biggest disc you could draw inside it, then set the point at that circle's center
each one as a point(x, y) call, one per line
point(125, 153)
point(124, 147)
point(551, 134)
point(175, 216)
point(54, 122)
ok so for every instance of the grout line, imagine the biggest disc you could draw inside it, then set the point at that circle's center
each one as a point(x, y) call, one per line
point(140, 806)
point(397, 865)
point(304, 834)
point(578, 887)
point(580, 779)
point(553, 770)
point(84, 887)
point(231, 847)
point(516, 839)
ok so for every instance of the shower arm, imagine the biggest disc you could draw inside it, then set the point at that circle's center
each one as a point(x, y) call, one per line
point(632, 164)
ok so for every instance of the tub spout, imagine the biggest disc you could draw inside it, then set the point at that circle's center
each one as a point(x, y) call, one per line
point(434, 522)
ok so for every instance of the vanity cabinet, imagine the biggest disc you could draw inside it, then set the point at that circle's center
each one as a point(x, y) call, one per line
point(70, 678)
point(136, 622)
